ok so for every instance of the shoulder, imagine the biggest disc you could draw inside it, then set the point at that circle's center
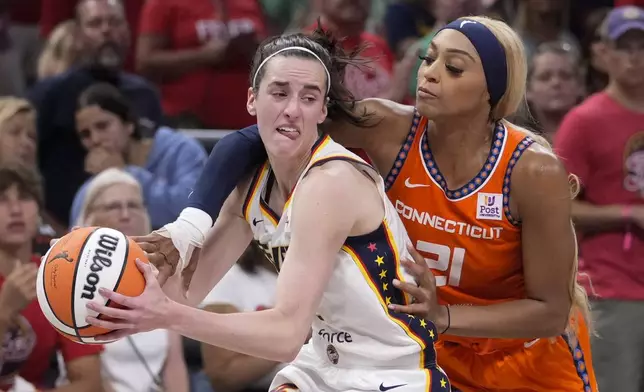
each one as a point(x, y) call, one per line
point(386, 113)
point(134, 82)
point(44, 87)
point(169, 137)
point(540, 175)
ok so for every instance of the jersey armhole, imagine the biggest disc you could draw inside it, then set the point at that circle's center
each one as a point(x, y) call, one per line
point(404, 151)
point(251, 190)
point(507, 179)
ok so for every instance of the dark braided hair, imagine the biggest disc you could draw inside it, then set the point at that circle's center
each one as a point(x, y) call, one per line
point(341, 102)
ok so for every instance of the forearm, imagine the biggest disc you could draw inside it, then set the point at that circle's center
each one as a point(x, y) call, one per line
point(589, 217)
point(519, 319)
point(241, 371)
point(232, 158)
point(169, 64)
point(267, 334)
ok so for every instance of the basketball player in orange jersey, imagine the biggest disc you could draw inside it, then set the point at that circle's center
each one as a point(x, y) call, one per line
point(487, 207)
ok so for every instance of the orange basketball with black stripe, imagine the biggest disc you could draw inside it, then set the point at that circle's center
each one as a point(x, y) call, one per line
point(472, 243)
point(75, 268)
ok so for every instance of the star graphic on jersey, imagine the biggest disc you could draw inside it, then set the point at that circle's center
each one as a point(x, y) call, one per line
point(380, 260)
point(385, 286)
point(372, 247)
point(388, 300)
point(423, 323)
point(431, 334)
point(443, 383)
point(383, 274)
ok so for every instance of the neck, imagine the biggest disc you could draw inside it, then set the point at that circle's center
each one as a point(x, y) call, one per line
point(630, 98)
point(459, 137)
point(9, 255)
point(342, 30)
point(288, 170)
point(549, 121)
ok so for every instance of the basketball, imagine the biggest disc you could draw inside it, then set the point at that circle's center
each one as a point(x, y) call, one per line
point(75, 268)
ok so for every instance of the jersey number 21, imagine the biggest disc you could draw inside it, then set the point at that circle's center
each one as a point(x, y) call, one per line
point(446, 259)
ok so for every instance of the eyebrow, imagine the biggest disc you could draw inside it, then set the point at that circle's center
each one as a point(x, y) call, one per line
point(453, 50)
point(279, 83)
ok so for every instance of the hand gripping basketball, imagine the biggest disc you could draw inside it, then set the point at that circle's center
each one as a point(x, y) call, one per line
point(161, 253)
point(425, 302)
point(144, 313)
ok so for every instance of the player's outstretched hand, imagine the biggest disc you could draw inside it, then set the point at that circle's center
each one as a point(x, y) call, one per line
point(161, 253)
point(425, 302)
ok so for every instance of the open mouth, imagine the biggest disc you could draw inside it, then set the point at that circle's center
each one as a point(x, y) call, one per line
point(16, 226)
point(289, 132)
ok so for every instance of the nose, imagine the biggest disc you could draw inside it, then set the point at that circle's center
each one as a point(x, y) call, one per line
point(293, 109)
point(430, 72)
point(15, 207)
point(94, 139)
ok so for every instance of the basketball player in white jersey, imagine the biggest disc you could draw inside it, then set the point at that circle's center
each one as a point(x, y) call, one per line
point(321, 215)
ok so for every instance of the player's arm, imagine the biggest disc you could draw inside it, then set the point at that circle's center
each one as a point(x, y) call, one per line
point(225, 243)
point(84, 374)
point(541, 193)
point(175, 372)
point(324, 212)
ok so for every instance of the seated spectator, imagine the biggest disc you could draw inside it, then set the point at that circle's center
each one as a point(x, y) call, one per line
point(200, 60)
point(60, 52)
point(594, 50)
point(555, 85)
point(248, 286)
point(103, 37)
point(166, 163)
point(29, 340)
point(18, 146)
point(144, 361)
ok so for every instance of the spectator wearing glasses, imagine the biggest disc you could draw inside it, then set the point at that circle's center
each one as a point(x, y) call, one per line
point(165, 162)
point(602, 142)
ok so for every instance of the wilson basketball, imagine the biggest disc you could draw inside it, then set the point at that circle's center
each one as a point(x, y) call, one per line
point(75, 268)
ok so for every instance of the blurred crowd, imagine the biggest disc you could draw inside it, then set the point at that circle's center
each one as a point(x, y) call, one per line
point(95, 96)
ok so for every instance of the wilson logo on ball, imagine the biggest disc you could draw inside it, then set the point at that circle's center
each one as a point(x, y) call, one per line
point(107, 244)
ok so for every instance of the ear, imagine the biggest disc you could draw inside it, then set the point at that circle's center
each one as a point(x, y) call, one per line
point(250, 103)
point(324, 112)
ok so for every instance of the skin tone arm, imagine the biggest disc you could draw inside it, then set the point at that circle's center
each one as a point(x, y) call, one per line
point(591, 218)
point(228, 370)
point(225, 243)
point(540, 183)
point(84, 374)
point(175, 372)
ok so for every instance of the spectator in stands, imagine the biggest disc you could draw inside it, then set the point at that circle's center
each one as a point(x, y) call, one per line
point(555, 85)
point(594, 49)
point(60, 52)
point(405, 22)
point(145, 361)
point(248, 286)
point(539, 21)
point(198, 52)
point(18, 146)
point(103, 38)
point(166, 163)
point(444, 11)
point(602, 142)
point(20, 44)
point(346, 20)
point(29, 340)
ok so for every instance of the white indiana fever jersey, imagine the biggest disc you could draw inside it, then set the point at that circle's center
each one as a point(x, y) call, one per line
point(354, 327)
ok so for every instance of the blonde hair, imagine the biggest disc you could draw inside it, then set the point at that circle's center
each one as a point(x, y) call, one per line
point(60, 51)
point(10, 106)
point(510, 102)
point(97, 185)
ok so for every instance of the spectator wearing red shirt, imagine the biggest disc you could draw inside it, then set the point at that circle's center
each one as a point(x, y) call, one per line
point(602, 142)
point(29, 340)
point(54, 12)
point(199, 52)
point(347, 19)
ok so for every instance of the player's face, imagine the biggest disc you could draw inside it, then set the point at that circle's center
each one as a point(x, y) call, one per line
point(98, 128)
point(451, 82)
point(119, 207)
point(554, 85)
point(18, 217)
point(18, 139)
point(625, 59)
point(289, 105)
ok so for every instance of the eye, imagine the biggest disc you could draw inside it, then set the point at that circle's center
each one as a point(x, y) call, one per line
point(428, 59)
point(309, 99)
point(453, 70)
point(278, 94)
